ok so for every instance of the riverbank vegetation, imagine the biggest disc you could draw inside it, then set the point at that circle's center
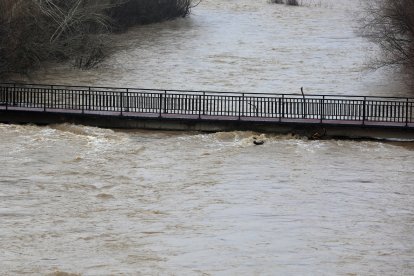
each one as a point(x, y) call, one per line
point(34, 31)
point(390, 24)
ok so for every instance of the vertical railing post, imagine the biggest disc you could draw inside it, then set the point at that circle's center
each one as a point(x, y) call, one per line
point(406, 113)
point(7, 98)
point(51, 97)
point(322, 109)
point(82, 102)
point(242, 105)
point(165, 102)
point(88, 105)
point(304, 111)
point(283, 106)
point(304, 115)
point(127, 100)
point(14, 95)
point(160, 103)
point(200, 99)
point(44, 99)
point(279, 103)
point(204, 103)
point(364, 110)
point(121, 102)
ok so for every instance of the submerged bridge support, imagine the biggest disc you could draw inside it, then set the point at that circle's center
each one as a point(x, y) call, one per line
point(313, 116)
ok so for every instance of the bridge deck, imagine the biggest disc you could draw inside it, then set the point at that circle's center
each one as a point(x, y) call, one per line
point(137, 115)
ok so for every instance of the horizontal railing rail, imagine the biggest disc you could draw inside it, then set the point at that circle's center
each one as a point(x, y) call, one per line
point(123, 101)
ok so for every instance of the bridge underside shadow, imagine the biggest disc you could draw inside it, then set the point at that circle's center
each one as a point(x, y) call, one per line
point(312, 128)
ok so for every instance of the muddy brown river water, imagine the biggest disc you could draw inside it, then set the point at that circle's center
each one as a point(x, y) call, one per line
point(95, 201)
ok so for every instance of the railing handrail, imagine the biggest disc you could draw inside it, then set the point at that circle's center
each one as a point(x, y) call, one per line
point(246, 94)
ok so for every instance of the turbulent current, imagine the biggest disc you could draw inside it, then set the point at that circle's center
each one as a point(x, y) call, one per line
point(90, 201)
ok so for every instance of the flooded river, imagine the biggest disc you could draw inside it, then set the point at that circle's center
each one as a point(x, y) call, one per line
point(93, 201)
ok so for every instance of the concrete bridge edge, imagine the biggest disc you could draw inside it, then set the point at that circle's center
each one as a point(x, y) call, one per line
point(313, 131)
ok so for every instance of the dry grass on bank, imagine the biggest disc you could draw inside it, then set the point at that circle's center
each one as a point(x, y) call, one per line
point(33, 31)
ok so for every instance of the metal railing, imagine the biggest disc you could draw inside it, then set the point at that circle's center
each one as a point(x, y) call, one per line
point(124, 101)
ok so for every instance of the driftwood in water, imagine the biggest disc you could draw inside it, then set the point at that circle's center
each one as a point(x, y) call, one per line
point(257, 142)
